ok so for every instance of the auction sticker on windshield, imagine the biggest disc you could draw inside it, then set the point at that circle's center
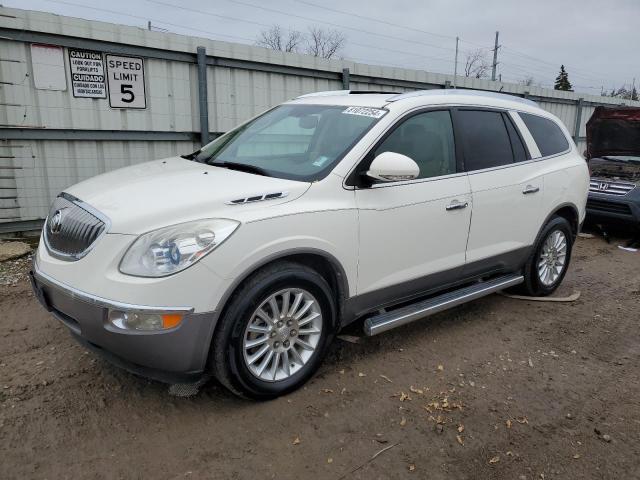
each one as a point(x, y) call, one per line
point(365, 112)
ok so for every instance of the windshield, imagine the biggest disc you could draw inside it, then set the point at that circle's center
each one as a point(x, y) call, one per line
point(297, 142)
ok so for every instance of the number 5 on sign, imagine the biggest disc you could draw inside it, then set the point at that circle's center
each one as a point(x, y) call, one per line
point(125, 77)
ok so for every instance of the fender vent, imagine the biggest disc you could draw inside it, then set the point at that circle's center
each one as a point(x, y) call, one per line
point(257, 198)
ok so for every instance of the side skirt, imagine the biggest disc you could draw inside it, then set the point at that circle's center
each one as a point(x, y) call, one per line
point(433, 284)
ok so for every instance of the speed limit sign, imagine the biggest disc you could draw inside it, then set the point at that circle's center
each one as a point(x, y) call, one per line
point(125, 77)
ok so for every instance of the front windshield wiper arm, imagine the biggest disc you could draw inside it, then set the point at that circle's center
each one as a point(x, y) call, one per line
point(191, 156)
point(243, 167)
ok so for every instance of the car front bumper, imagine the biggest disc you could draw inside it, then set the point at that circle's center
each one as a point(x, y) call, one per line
point(623, 208)
point(174, 355)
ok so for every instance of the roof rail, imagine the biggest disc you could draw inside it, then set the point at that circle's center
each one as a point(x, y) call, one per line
point(331, 93)
point(474, 93)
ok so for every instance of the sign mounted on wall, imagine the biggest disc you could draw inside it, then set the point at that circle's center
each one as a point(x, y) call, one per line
point(47, 62)
point(125, 76)
point(87, 74)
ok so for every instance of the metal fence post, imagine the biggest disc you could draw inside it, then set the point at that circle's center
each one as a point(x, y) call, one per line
point(345, 79)
point(202, 95)
point(576, 127)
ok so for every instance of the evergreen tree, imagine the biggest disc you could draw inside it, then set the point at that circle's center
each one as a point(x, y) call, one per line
point(634, 93)
point(562, 81)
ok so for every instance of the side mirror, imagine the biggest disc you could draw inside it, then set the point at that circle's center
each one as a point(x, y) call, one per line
point(393, 167)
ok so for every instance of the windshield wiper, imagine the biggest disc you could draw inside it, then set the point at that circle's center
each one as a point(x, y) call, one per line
point(243, 167)
point(191, 156)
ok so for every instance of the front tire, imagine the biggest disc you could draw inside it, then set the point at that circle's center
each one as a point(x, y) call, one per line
point(275, 331)
point(546, 267)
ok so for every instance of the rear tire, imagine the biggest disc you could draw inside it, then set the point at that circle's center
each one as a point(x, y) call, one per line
point(546, 267)
point(274, 332)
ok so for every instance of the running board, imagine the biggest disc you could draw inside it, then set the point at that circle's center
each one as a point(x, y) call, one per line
point(388, 320)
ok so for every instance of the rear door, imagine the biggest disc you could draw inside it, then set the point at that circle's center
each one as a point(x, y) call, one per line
point(506, 189)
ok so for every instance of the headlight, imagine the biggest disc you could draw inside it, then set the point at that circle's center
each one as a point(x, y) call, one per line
point(171, 249)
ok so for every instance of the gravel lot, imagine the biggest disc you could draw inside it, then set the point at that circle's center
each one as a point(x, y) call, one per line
point(498, 389)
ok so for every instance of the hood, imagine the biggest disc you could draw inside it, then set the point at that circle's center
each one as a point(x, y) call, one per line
point(613, 132)
point(155, 194)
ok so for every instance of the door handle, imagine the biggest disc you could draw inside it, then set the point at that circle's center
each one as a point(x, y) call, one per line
point(456, 205)
point(530, 189)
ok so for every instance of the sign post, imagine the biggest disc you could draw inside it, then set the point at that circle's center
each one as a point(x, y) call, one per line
point(125, 76)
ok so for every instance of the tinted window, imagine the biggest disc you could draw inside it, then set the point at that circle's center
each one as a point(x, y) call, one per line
point(546, 133)
point(485, 139)
point(519, 152)
point(427, 138)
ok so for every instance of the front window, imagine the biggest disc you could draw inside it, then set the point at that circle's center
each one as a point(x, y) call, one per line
point(297, 142)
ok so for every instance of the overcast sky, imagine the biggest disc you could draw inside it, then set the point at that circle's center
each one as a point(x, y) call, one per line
point(596, 40)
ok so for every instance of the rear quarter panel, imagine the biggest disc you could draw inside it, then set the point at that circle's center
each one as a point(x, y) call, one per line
point(566, 181)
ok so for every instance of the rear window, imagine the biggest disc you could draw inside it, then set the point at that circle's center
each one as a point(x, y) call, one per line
point(485, 138)
point(546, 133)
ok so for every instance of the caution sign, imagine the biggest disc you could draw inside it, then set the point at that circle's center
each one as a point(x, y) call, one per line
point(125, 76)
point(87, 74)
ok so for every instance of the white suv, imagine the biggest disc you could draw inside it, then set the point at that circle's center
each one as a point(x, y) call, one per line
point(246, 257)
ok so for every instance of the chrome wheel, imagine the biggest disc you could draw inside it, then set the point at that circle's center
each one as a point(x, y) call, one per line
point(282, 334)
point(553, 258)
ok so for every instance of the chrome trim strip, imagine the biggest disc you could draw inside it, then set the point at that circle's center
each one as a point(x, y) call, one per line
point(85, 206)
point(100, 301)
point(387, 321)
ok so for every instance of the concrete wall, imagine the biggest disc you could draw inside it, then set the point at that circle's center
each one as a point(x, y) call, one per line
point(49, 139)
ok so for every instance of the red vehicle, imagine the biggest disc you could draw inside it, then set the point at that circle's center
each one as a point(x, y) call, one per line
point(613, 153)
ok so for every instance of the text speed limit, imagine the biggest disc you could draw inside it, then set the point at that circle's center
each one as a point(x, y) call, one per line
point(126, 82)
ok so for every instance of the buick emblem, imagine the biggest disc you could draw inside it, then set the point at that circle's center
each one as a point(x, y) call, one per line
point(603, 186)
point(55, 225)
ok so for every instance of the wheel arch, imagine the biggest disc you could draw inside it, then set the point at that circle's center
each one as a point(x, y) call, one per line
point(569, 212)
point(323, 262)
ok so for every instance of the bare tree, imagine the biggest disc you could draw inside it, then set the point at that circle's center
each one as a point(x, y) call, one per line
point(476, 64)
point(324, 43)
point(275, 39)
point(527, 81)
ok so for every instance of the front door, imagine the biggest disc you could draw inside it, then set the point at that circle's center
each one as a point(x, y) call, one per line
point(413, 234)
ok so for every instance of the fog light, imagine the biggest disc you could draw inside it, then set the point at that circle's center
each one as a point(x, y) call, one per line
point(143, 321)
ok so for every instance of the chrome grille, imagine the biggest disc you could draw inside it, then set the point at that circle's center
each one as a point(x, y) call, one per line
point(72, 228)
point(608, 187)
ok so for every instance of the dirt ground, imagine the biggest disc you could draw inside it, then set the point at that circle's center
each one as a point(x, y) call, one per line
point(497, 389)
